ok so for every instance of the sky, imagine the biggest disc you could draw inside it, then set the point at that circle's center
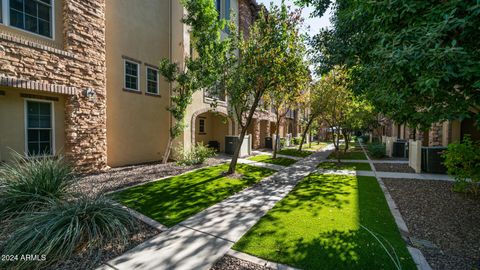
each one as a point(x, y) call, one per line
point(312, 25)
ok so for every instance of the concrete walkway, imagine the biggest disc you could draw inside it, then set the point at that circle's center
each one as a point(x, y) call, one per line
point(367, 161)
point(258, 152)
point(421, 176)
point(199, 241)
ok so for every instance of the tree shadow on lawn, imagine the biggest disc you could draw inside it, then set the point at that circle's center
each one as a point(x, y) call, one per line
point(173, 200)
point(317, 226)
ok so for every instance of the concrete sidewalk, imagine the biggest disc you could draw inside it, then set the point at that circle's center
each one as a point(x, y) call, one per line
point(198, 242)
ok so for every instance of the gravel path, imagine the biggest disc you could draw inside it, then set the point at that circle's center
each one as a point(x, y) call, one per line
point(393, 167)
point(117, 178)
point(231, 263)
point(449, 221)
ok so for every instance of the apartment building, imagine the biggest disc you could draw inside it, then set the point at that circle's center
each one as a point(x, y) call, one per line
point(80, 78)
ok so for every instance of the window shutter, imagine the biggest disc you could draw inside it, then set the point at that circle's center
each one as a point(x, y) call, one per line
point(227, 9)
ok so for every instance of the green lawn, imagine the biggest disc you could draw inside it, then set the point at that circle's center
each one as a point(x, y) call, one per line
point(278, 161)
point(319, 226)
point(356, 166)
point(349, 155)
point(175, 199)
point(295, 152)
point(315, 146)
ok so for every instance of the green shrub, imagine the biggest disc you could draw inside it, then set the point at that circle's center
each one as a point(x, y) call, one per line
point(376, 150)
point(297, 141)
point(463, 162)
point(66, 228)
point(29, 183)
point(365, 138)
point(283, 142)
point(197, 155)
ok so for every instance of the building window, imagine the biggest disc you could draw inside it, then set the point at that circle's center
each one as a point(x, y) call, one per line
point(1, 11)
point(32, 15)
point(131, 76)
point(39, 131)
point(223, 9)
point(152, 81)
point(201, 126)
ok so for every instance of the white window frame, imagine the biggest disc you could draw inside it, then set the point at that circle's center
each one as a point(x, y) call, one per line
point(146, 80)
point(52, 108)
point(125, 75)
point(6, 19)
point(200, 125)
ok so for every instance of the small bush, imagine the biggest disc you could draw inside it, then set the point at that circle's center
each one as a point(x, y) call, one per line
point(297, 141)
point(376, 150)
point(29, 183)
point(365, 138)
point(67, 228)
point(463, 162)
point(283, 142)
point(197, 155)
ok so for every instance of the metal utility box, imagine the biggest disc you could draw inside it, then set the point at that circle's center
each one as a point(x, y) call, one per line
point(400, 149)
point(432, 160)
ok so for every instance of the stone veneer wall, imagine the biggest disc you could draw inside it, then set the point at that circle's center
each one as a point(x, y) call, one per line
point(435, 135)
point(81, 65)
point(248, 11)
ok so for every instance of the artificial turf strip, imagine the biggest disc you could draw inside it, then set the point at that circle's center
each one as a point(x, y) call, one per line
point(317, 226)
point(355, 166)
point(349, 155)
point(315, 146)
point(295, 153)
point(175, 199)
point(278, 161)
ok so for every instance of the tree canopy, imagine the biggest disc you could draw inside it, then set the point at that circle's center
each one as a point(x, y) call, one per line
point(417, 61)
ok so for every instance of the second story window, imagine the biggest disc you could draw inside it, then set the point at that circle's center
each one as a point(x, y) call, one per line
point(1, 11)
point(223, 9)
point(152, 81)
point(32, 15)
point(131, 76)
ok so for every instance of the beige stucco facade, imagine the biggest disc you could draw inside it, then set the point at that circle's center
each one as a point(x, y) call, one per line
point(13, 120)
point(98, 123)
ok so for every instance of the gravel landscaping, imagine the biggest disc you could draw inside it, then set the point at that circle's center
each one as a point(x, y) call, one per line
point(393, 167)
point(231, 263)
point(443, 223)
point(88, 261)
point(117, 178)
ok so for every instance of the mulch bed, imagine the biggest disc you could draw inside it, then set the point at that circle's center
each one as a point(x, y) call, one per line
point(85, 261)
point(393, 167)
point(117, 178)
point(231, 263)
point(449, 220)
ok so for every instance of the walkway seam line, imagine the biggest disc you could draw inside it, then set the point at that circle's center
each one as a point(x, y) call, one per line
point(193, 229)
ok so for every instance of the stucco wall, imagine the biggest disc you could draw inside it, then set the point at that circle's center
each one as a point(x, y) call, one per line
point(12, 122)
point(137, 123)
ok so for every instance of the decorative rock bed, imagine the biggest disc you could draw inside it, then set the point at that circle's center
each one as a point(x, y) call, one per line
point(443, 224)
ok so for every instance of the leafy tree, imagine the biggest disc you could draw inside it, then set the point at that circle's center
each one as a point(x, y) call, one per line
point(200, 70)
point(287, 96)
point(264, 63)
point(339, 108)
point(417, 61)
point(313, 104)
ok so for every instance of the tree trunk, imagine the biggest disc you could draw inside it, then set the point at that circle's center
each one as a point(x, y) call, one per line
point(277, 139)
point(166, 155)
point(233, 163)
point(347, 140)
point(305, 134)
point(337, 147)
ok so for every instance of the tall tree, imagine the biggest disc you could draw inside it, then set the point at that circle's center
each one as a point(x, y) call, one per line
point(262, 64)
point(200, 70)
point(417, 61)
point(312, 103)
point(286, 97)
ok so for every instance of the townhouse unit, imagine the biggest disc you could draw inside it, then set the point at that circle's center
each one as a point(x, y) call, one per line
point(80, 78)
